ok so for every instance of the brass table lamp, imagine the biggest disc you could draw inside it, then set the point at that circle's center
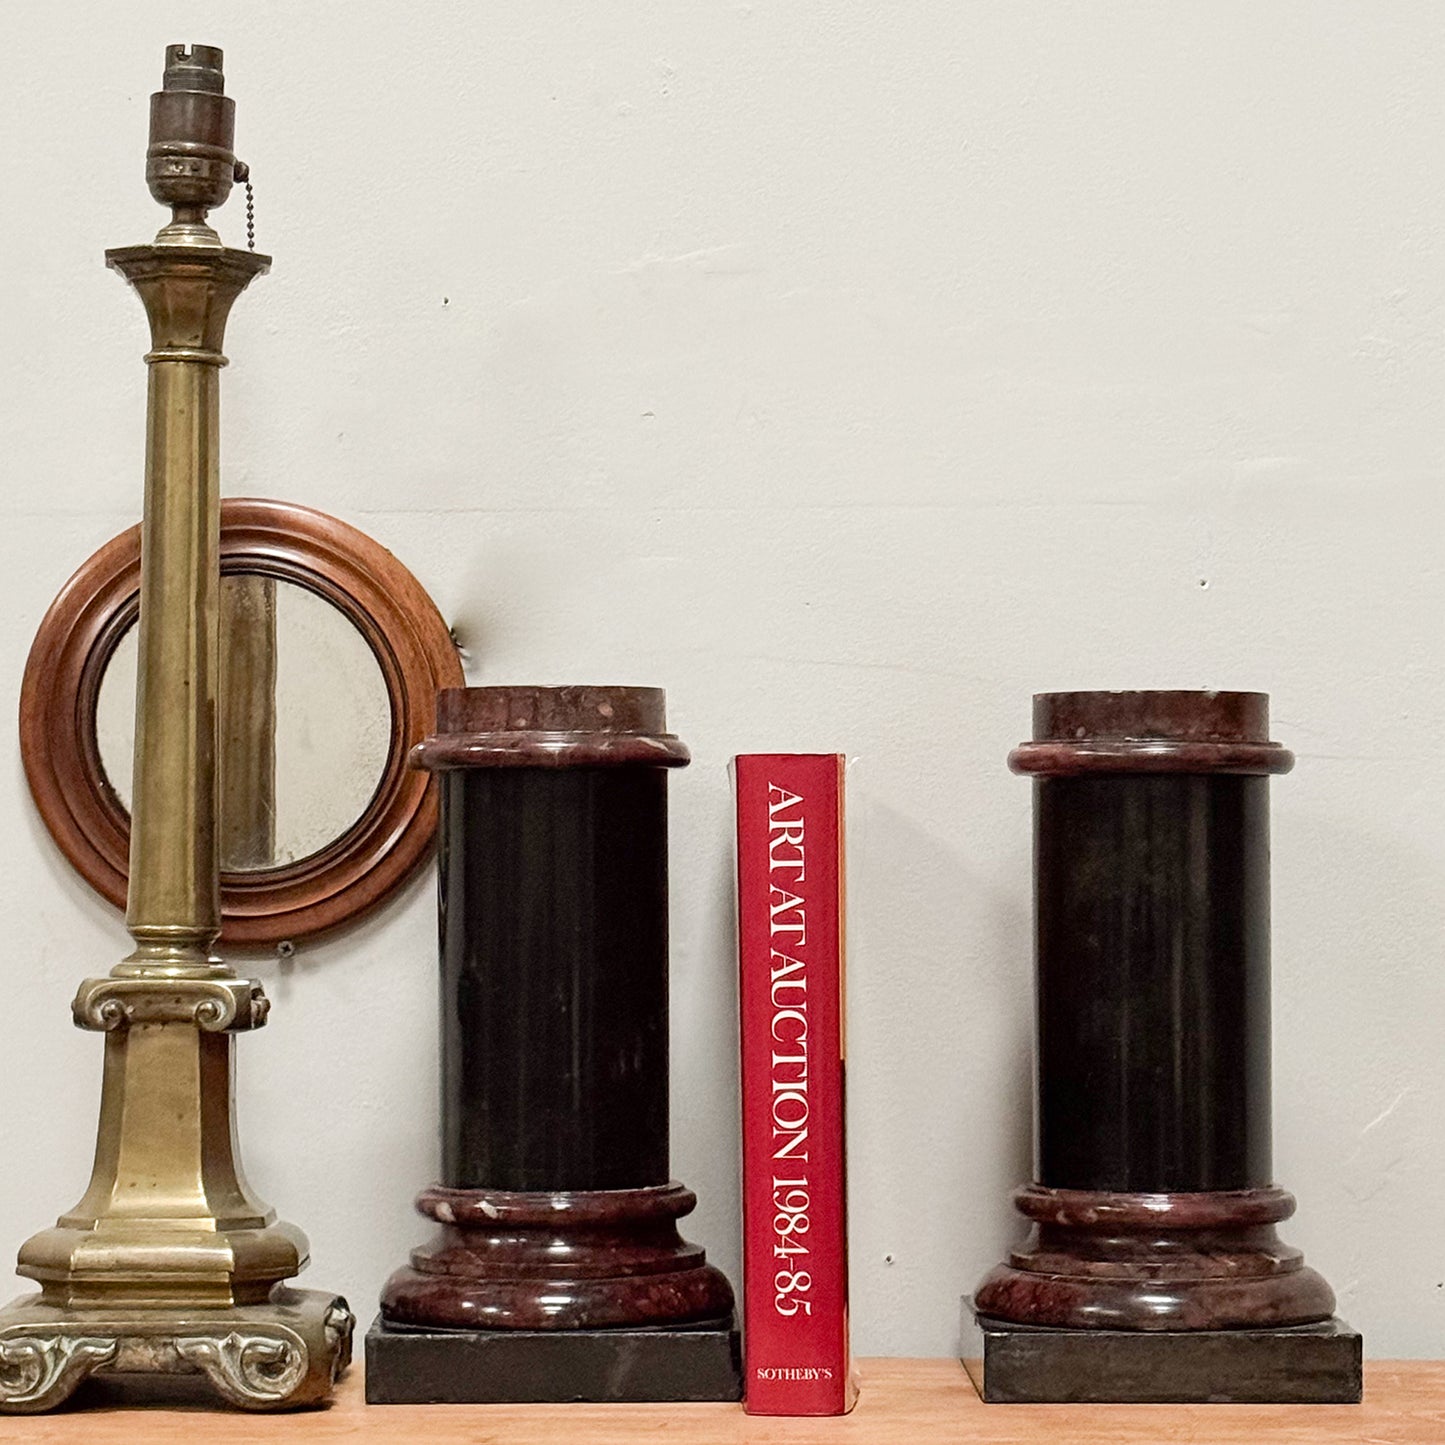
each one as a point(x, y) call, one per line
point(169, 1264)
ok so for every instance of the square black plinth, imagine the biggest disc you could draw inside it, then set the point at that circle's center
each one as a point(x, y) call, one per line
point(1301, 1365)
point(483, 1367)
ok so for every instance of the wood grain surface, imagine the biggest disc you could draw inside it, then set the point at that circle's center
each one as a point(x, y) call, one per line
point(903, 1402)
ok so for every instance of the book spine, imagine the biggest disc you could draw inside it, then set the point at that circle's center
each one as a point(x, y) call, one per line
point(790, 917)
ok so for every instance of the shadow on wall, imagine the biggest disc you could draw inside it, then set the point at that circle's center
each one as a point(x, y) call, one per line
point(706, 1108)
point(1359, 1083)
point(940, 1073)
point(999, 1126)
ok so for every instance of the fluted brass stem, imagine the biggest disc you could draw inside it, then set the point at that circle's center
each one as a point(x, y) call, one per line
point(174, 905)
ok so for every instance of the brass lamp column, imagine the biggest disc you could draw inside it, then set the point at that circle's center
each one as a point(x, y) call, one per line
point(169, 1264)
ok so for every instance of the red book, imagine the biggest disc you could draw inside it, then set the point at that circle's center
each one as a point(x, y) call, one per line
point(790, 931)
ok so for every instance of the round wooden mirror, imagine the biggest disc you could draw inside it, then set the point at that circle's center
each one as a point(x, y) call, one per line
point(332, 658)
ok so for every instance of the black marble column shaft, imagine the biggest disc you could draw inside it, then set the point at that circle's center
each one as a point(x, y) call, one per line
point(1152, 917)
point(553, 885)
point(552, 872)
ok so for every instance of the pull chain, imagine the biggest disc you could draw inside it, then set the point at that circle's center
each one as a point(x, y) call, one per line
point(243, 174)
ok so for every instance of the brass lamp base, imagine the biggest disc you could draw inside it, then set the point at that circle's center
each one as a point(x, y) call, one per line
point(279, 1355)
point(169, 1265)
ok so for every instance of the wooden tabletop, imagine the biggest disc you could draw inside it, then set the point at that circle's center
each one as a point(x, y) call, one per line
point(903, 1402)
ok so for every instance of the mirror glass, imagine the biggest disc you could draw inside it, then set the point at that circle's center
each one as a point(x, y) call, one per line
point(305, 722)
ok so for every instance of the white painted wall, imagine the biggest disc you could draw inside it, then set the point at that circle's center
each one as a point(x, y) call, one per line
point(852, 370)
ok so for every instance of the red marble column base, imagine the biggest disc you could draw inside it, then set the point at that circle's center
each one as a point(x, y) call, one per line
point(565, 1261)
point(1208, 1261)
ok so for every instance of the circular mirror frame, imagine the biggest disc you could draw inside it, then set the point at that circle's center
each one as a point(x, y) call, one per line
point(413, 647)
